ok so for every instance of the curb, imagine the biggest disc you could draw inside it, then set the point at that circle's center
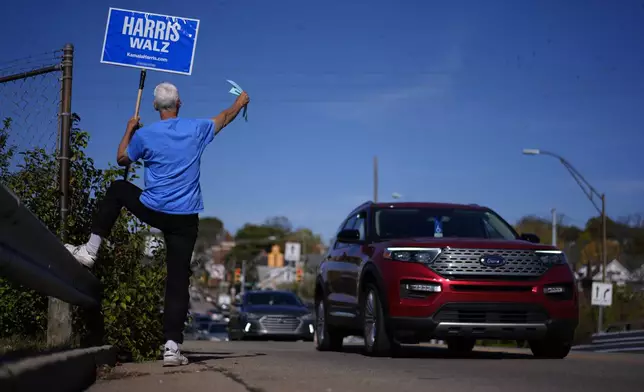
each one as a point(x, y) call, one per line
point(73, 370)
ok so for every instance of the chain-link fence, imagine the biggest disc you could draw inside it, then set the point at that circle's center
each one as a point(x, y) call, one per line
point(35, 133)
point(30, 107)
point(35, 120)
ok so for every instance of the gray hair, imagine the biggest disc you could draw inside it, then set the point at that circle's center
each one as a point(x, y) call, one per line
point(166, 97)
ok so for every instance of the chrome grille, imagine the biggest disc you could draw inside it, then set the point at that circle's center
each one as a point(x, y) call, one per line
point(458, 262)
point(279, 323)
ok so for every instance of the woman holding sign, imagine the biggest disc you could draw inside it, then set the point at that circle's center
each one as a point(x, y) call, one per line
point(171, 150)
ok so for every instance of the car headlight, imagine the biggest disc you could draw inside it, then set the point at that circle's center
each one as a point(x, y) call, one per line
point(551, 257)
point(417, 255)
point(308, 317)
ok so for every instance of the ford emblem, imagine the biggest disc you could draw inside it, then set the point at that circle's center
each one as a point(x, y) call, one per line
point(492, 260)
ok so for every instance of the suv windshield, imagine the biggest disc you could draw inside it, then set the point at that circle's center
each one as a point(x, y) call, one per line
point(268, 298)
point(440, 222)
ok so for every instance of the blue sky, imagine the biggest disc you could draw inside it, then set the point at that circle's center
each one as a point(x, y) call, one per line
point(446, 93)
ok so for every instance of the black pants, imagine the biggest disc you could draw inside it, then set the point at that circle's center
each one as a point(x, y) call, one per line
point(180, 234)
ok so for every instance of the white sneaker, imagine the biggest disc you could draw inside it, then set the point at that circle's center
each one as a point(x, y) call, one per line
point(174, 358)
point(81, 254)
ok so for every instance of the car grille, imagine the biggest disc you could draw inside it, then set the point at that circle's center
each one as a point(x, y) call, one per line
point(465, 263)
point(279, 323)
point(490, 313)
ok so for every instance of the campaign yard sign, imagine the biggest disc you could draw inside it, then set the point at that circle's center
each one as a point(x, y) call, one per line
point(150, 41)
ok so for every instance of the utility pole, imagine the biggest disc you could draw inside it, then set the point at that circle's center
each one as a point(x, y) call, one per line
point(554, 227)
point(375, 179)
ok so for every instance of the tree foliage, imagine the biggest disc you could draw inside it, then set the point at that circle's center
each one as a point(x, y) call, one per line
point(211, 229)
point(625, 238)
point(132, 292)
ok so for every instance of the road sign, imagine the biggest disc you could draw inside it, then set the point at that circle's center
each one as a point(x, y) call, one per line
point(216, 271)
point(292, 251)
point(150, 41)
point(602, 294)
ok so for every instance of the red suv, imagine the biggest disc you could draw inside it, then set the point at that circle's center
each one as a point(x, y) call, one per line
point(410, 272)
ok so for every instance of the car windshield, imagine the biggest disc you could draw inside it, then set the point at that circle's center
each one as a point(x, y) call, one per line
point(440, 222)
point(275, 299)
point(217, 328)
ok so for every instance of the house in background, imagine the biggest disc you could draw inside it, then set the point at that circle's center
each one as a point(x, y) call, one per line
point(615, 272)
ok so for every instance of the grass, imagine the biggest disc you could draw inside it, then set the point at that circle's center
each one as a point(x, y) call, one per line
point(17, 347)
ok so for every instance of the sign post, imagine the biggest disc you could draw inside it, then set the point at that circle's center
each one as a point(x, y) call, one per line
point(149, 41)
point(136, 111)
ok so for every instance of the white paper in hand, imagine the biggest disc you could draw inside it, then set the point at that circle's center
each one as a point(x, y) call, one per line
point(236, 90)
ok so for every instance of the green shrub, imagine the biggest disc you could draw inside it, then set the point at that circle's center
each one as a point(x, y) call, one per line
point(132, 292)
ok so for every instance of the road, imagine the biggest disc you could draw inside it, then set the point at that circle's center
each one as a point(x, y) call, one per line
point(297, 367)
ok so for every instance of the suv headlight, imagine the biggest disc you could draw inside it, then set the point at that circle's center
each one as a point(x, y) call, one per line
point(416, 255)
point(307, 317)
point(551, 257)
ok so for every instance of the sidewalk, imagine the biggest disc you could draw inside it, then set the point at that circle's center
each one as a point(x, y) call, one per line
point(147, 376)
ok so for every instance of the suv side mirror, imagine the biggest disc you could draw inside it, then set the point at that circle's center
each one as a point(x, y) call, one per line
point(349, 236)
point(531, 238)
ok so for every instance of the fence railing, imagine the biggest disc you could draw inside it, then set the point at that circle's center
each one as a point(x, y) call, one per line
point(615, 342)
point(34, 257)
point(36, 112)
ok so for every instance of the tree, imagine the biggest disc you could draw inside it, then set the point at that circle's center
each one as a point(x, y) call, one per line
point(625, 239)
point(309, 241)
point(6, 151)
point(132, 292)
point(211, 229)
point(251, 240)
point(279, 222)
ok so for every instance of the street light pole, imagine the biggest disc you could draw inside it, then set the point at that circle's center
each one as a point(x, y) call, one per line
point(554, 227)
point(375, 179)
point(589, 191)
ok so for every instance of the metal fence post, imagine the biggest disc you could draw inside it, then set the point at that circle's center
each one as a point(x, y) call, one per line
point(59, 324)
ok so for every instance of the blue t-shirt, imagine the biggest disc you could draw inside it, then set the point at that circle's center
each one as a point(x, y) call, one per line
point(171, 152)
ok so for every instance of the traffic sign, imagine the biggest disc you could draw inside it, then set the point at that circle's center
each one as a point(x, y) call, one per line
point(292, 251)
point(216, 271)
point(150, 41)
point(602, 294)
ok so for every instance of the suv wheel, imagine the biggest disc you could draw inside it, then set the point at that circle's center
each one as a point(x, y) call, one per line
point(326, 337)
point(550, 348)
point(377, 340)
point(461, 345)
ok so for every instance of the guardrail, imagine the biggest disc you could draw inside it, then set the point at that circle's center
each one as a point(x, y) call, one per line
point(33, 256)
point(615, 342)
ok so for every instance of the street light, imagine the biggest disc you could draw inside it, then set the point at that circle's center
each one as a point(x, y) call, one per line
point(589, 191)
